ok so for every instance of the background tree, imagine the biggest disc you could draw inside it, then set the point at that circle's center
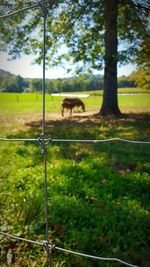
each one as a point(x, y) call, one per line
point(22, 84)
point(12, 83)
point(36, 85)
point(96, 33)
point(141, 78)
point(126, 81)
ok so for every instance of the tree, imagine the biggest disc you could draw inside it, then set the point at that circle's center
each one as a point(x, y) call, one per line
point(93, 32)
point(21, 83)
point(36, 85)
point(110, 100)
point(12, 83)
point(126, 81)
point(141, 78)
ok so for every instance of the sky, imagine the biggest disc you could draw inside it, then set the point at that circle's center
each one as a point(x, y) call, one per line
point(25, 68)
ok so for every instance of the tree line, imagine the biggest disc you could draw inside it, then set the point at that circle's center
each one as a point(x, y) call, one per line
point(13, 83)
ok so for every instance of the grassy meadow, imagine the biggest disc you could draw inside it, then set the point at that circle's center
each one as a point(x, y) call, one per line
point(98, 194)
point(13, 103)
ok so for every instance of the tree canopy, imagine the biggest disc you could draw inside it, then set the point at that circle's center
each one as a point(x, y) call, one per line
point(80, 26)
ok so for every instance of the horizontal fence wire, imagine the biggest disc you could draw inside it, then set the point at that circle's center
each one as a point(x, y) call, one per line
point(19, 139)
point(20, 238)
point(116, 139)
point(51, 247)
point(48, 140)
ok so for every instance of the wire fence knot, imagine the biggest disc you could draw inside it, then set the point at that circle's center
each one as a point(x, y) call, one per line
point(49, 247)
point(44, 141)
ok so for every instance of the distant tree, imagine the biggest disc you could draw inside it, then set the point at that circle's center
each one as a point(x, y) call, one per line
point(21, 83)
point(143, 59)
point(50, 88)
point(11, 85)
point(124, 81)
point(36, 85)
point(141, 78)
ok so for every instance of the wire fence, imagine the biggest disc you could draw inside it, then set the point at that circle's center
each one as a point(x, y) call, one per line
point(49, 247)
point(49, 140)
point(43, 141)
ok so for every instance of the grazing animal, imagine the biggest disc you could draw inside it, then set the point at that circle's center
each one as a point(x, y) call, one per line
point(70, 103)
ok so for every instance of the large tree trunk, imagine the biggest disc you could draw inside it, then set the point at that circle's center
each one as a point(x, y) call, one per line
point(110, 99)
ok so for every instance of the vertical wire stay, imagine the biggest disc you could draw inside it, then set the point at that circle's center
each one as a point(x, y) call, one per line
point(44, 151)
point(44, 51)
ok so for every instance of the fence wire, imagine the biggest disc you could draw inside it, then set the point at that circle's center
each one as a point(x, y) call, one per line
point(18, 11)
point(49, 140)
point(43, 140)
point(52, 247)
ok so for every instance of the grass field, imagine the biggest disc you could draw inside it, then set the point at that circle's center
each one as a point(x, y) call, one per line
point(32, 103)
point(98, 194)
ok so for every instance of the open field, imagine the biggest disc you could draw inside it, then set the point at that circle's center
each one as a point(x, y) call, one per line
point(98, 194)
point(12, 103)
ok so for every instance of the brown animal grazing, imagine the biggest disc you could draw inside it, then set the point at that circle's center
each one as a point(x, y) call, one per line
point(70, 103)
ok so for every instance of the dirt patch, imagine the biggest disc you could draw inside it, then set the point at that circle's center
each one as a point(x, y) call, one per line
point(89, 116)
point(35, 119)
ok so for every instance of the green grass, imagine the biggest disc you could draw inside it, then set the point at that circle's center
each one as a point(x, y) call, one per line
point(98, 194)
point(136, 103)
point(32, 103)
point(133, 90)
point(121, 90)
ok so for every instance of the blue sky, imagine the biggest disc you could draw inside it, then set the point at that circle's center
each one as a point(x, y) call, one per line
point(26, 69)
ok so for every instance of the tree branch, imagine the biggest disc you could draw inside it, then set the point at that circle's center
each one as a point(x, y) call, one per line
point(133, 4)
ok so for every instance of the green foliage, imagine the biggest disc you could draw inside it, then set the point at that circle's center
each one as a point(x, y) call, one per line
point(125, 81)
point(80, 26)
point(141, 78)
point(12, 83)
point(80, 83)
point(36, 85)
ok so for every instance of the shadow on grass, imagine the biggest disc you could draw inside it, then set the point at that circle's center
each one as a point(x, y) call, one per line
point(99, 193)
point(91, 127)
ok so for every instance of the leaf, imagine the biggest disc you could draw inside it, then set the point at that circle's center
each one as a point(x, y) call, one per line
point(9, 257)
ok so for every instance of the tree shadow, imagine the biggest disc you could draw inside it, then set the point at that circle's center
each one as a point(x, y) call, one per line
point(98, 193)
point(94, 127)
point(88, 126)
